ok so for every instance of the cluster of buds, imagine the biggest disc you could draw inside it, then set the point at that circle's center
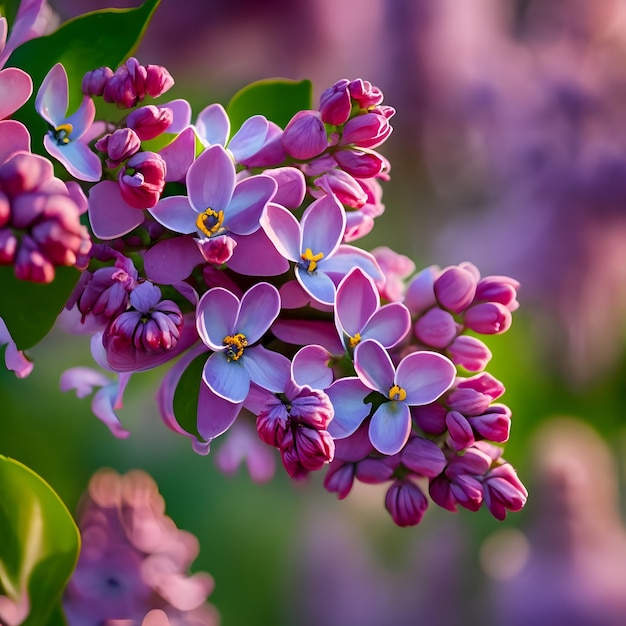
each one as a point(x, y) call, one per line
point(134, 561)
point(236, 254)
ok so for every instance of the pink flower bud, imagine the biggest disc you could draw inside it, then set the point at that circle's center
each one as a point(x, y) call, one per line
point(305, 136)
point(504, 491)
point(500, 289)
point(339, 478)
point(310, 451)
point(335, 103)
point(488, 318)
point(365, 94)
point(343, 186)
point(272, 423)
point(436, 328)
point(158, 80)
point(217, 250)
point(31, 264)
point(431, 418)
point(424, 457)
point(150, 121)
point(455, 288)
point(359, 163)
point(420, 292)
point(396, 267)
point(119, 146)
point(494, 424)
point(406, 503)
point(374, 471)
point(461, 434)
point(469, 352)
point(366, 131)
point(142, 180)
point(95, 81)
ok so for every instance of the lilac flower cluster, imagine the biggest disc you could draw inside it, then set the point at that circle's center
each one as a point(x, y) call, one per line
point(133, 561)
point(235, 250)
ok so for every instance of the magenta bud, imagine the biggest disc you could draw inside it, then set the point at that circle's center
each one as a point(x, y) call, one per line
point(344, 187)
point(367, 131)
point(455, 289)
point(485, 383)
point(469, 352)
point(406, 503)
point(360, 163)
point(150, 121)
point(420, 292)
point(158, 80)
point(494, 424)
point(339, 478)
point(461, 434)
point(335, 103)
point(488, 318)
point(31, 264)
point(500, 289)
point(305, 136)
point(374, 471)
point(272, 423)
point(95, 81)
point(142, 180)
point(431, 418)
point(218, 249)
point(436, 328)
point(504, 491)
point(119, 146)
point(424, 457)
point(309, 451)
point(365, 94)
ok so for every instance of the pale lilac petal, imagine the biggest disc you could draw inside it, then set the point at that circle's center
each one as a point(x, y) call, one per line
point(308, 332)
point(165, 397)
point(357, 299)
point(373, 366)
point(256, 255)
point(179, 155)
point(211, 180)
point(14, 137)
point(175, 213)
point(103, 407)
point(14, 359)
point(172, 260)
point(346, 257)
point(390, 427)
point(213, 125)
point(32, 19)
point(347, 396)
point(323, 225)
point(424, 376)
point(266, 368)
point(52, 98)
point(215, 414)
point(311, 366)
point(283, 230)
point(389, 325)
point(291, 186)
point(250, 197)
point(182, 114)
point(249, 139)
point(216, 316)
point(109, 214)
point(82, 380)
point(318, 284)
point(228, 379)
point(77, 158)
point(82, 119)
point(16, 87)
point(260, 306)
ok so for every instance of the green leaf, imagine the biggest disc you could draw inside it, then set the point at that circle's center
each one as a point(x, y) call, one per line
point(96, 39)
point(30, 309)
point(8, 9)
point(40, 542)
point(187, 394)
point(278, 99)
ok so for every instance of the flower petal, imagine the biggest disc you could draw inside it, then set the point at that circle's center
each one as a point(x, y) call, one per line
point(52, 98)
point(390, 427)
point(76, 157)
point(357, 299)
point(213, 125)
point(250, 197)
point(389, 325)
point(283, 230)
point(267, 369)
point(260, 306)
point(255, 255)
point(16, 87)
point(211, 180)
point(14, 137)
point(249, 139)
point(179, 155)
point(311, 366)
point(109, 214)
point(215, 414)
point(226, 378)
point(373, 366)
point(424, 376)
point(175, 213)
point(171, 260)
point(346, 257)
point(323, 225)
point(318, 285)
point(216, 316)
point(82, 119)
point(347, 396)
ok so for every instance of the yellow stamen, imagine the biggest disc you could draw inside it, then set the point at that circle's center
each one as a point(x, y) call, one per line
point(62, 133)
point(353, 342)
point(311, 258)
point(203, 218)
point(397, 393)
point(235, 345)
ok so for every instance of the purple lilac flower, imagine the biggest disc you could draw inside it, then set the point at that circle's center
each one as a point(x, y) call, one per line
point(419, 378)
point(315, 246)
point(133, 558)
point(67, 139)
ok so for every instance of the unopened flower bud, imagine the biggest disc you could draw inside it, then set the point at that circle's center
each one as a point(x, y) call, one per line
point(406, 503)
point(366, 131)
point(494, 424)
point(503, 491)
point(488, 318)
point(365, 94)
point(305, 136)
point(424, 457)
point(119, 146)
point(500, 289)
point(95, 81)
point(150, 121)
point(142, 180)
point(436, 328)
point(339, 478)
point(461, 434)
point(455, 288)
point(309, 451)
point(343, 186)
point(336, 104)
point(360, 163)
point(469, 352)
point(158, 80)
point(420, 292)
point(431, 418)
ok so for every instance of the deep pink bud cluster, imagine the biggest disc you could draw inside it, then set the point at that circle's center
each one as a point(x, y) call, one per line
point(129, 84)
point(39, 219)
point(150, 121)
